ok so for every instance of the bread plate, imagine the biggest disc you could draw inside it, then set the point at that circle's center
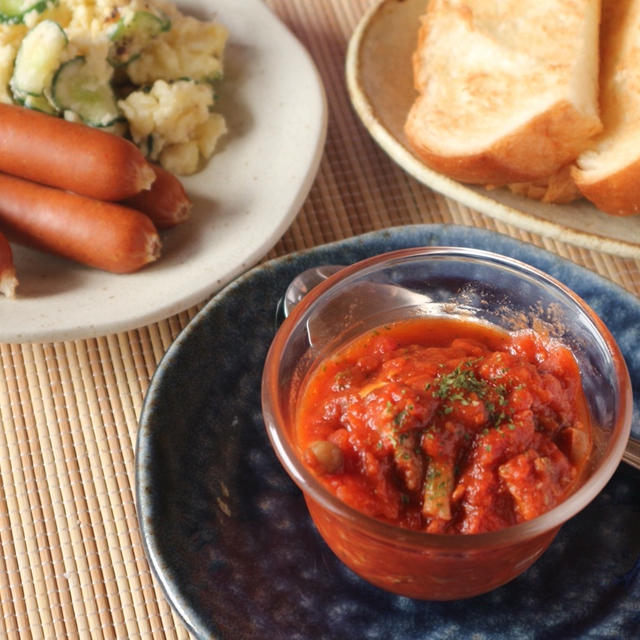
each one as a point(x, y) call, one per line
point(380, 82)
point(244, 199)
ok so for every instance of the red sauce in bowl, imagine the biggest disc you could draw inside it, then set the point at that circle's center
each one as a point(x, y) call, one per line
point(447, 426)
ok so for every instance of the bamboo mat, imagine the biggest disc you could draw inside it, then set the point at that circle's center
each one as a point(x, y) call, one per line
point(72, 563)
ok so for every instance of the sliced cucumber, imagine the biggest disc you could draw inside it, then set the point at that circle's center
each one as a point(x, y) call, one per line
point(14, 11)
point(38, 59)
point(77, 89)
point(39, 103)
point(130, 35)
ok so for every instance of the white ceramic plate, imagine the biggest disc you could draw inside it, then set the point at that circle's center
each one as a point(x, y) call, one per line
point(380, 82)
point(244, 199)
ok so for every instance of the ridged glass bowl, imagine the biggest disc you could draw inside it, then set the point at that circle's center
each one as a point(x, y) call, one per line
point(459, 282)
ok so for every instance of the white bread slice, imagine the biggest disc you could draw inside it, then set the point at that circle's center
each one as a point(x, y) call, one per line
point(507, 90)
point(608, 173)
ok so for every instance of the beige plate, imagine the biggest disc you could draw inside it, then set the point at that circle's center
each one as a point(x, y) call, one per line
point(380, 83)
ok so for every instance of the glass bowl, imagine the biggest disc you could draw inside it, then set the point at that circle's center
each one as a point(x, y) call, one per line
point(456, 282)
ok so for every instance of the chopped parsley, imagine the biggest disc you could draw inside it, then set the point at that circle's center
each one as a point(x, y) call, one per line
point(462, 382)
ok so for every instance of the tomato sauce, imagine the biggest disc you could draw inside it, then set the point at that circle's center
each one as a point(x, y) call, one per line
point(447, 426)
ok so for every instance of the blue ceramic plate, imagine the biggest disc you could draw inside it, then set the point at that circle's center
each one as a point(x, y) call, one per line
point(227, 532)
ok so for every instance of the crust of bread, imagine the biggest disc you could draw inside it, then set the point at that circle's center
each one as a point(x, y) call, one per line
point(507, 111)
point(608, 173)
point(536, 150)
point(617, 193)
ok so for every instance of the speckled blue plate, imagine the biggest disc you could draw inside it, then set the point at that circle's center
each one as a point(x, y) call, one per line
point(227, 532)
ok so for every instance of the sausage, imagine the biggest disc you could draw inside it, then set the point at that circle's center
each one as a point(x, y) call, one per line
point(70, 155)
point(166, 202)
point(8, 279)
point(106, 235)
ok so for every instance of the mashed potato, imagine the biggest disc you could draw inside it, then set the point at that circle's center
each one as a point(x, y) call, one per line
point(140, 68)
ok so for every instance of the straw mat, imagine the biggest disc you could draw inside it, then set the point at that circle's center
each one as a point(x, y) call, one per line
point(72, 563)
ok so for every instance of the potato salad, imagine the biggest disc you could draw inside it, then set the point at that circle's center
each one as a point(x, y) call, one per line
point(138, 68)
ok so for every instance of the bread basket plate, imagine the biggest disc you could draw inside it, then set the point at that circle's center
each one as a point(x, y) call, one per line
point(244, 199)
point(227, 533)
point(380, 82)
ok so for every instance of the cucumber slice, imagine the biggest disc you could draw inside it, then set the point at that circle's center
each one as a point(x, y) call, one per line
point(39, 103)
point(130, 35)
point(76, 88)
point(37, 60)
point(14, 11)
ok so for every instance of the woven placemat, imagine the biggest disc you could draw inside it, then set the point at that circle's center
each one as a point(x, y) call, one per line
point(72, 563)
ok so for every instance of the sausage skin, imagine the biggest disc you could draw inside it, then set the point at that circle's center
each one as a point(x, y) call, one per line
point(166, 202)
point(8, 279)
point(100, 234)
point(70, 155)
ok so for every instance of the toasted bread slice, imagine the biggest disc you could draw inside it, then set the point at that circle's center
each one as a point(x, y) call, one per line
point(608, 173)
point(507, 90)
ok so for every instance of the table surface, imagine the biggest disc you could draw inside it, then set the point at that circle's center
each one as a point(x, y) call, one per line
point(72, 563)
